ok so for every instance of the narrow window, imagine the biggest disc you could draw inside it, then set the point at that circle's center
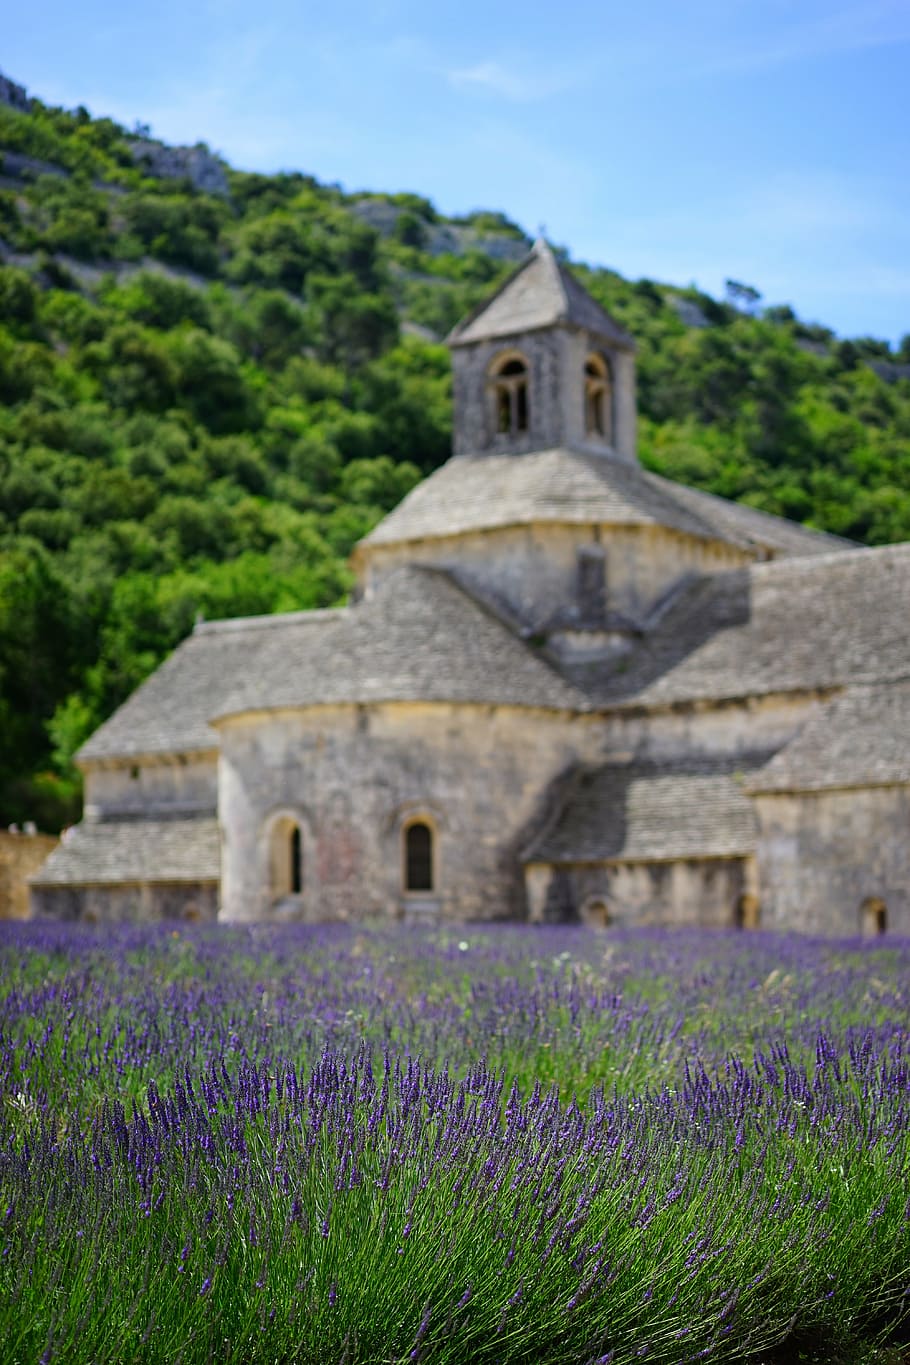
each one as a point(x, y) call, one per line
point(510, 397)
point(418, 858)
point(296, 852)
point(285, 858)
point(598, 398)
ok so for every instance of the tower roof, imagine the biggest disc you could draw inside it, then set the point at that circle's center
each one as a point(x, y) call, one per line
point(540, 293)
point(490, 491)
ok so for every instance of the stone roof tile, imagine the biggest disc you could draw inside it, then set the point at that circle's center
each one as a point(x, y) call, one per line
point(540, 293)
point(650, 810)
point(170, 711)
point(420, 637)
point(860, 739)
point(483, 492)
point(128, 851)
point(788, 625)
point(747, 526)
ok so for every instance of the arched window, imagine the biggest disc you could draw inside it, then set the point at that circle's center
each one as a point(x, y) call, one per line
point(285, 859)
point(418, 857)
point(510, 396)
point(598, 398)
point(595, 913)
point(873, 917)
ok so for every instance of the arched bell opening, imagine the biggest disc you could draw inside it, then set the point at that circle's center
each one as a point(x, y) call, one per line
point(598, 398)
point(509, 395)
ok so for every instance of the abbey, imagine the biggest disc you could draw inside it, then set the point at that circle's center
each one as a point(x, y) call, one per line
point(564, 689)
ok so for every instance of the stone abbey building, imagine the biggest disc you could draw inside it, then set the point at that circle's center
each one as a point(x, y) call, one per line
point(565, 688)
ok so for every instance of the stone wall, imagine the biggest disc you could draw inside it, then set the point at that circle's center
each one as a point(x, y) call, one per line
point(352, 777)
point(20, 856)
point(822, 855)
point(164, 785)
point(703, 891)
point(115, 904)
point(556, 395)
point(535, 568)
point(711, 730)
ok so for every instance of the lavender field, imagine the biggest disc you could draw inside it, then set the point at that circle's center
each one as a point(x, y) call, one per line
point(493, 1145)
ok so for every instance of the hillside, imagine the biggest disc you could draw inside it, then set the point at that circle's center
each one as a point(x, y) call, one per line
point(212, 383)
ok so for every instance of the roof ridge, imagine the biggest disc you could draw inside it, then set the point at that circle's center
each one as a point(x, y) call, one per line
point(790, 564)
point(277, 618)
point(464, 323)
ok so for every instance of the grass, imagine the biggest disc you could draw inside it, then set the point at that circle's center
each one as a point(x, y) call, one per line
point(493, 1145)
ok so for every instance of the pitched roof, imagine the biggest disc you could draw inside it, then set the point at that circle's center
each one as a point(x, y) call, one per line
point(740, 524)
point(483, 492)
point(420, 637)
point(788, 625)
point(540, 293)
point(861, 739)
point(128, 851)
point(170, 711)
point(643, 811)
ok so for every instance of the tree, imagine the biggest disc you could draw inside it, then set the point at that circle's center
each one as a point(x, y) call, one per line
point(742, 296)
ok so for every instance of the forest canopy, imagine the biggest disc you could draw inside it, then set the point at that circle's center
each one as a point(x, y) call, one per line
point(207, 398)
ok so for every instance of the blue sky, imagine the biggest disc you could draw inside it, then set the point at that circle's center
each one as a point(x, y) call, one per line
point(763, 140)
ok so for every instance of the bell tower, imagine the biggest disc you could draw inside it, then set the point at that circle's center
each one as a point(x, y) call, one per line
point(542, 366)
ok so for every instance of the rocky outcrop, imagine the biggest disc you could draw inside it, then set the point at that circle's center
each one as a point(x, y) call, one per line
point(440, 239)
point(16, 96)
point(202, 168)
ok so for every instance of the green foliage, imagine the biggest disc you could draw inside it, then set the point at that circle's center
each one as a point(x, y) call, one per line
point(205, 401)
point(18, 298)
point(497, 1145)
point(483, 220)
point(182, 229)
point(157, 300)
point(69, 215)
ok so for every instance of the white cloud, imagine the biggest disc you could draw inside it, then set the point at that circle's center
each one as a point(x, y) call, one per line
point(494, 78)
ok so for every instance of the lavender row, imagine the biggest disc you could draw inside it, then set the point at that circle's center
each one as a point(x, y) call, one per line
point(253, 1146)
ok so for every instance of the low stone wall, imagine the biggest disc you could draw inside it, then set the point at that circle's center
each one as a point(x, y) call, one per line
point(718, 892)
point(20, 856)
point(145, 903)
